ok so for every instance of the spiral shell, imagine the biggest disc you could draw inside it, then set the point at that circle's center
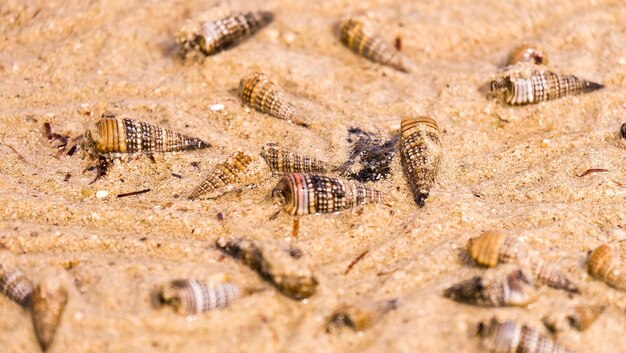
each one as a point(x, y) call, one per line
point(528, 84)
point(604, 264)
point(283, 267)
point(420, 154)
point(358, 316)
point(48, 302)
point(304, 194)
point(528, 53)
point(236, 171)
point(258, 91)
point(583, 315)
point(192, 297)
point(495, 289)
point(15, 286)
point(281, 161)
point(213, 36)
point(492, 247)
point(123, 135)
point(509, 337)
point(358, 35)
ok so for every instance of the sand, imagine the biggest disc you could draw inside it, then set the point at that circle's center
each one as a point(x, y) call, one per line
point(509, 168)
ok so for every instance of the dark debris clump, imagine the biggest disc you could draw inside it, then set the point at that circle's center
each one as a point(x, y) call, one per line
point(370, 156)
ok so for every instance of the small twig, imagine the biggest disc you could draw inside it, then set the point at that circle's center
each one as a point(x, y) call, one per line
point(47, 131)
point(177, 176)
point(296, 227)
point(133, 193)
point(398, 43)
point(593, 170)
point(16, 152)
point(384, 273)
point(358, 258)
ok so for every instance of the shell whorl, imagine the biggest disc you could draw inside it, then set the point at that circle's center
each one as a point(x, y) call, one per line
point(192, 297)
point(528, 53)
point(15, 286)
point(509, 336)
point(281, 161)
point(225, 175)
point(604, 264)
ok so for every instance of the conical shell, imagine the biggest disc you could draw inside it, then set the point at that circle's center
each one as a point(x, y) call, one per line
point(304, 194)
point(48, 303)
point(213, 36)
point(14, 284)
point(487, 248)
point(604, 264)
point(583, 315)
point(281, 161)
point(284, 268)
point(528, 84)
point(258, 91)
point(495, 288)
point(508, 337)
point(360, 317)
point(528, 53)
point(192, 297)
point(123, 135)
point(420, 153)
point(359, 36)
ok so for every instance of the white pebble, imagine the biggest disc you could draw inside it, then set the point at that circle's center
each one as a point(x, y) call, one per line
point(217, 107)
point(102, 194)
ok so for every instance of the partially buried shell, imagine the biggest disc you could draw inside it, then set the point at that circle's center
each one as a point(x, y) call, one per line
point(304, 194)
point(583, 315)
point(192, 297)
point(509, 336)
point(622, 131)
point(358, 34)
point(513, 288)
point(528, 84)
point(528, 53)
point(48, 303)
point(493, 247)
point(111, 135)
point(420, 154)
point(213, 36)
point(281, 161)
point(604, 264)
point(15, 286)
point(360, 316)
point(237, 171)
point(283, 267)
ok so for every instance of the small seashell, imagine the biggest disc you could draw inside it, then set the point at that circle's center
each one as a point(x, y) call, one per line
point(492, 247)
point(239, 169)
point(509, 337)
point(15, 286)
point(420, 154)
point(285, 268)
point(259, 92)
point(604, 264)
point(281, 161)
point(360, 317)
point(304, 194)
point(528, 53)
point(528, 84)
point(192, 297)
point(48, 302)
point(584, 315)
point(358, 35)
point(213, 36)
point(495, 289)
point(622, 131)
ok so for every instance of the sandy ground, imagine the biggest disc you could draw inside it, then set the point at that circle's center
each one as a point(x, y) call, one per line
point(509, 168)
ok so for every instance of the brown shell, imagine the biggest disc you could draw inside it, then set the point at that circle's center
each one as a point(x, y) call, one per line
point(622, 131)
point(213, 36)
point(48, 303)
point(15, 286)
point(192, 297)
point(604, 264)
point(123, 135)
point(304, 194)
point(528, 53)
point(283, 267)
point(258, 91)
point(281, 161)
point(358, 35)
point(360, 317)
point(486, 248)
point(584, 315)
point(420, 153)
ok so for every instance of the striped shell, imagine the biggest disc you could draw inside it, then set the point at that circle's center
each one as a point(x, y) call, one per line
point(492, 247)
point(283, 267)
point(258, 91)
point(528, 84)
point(495, 289)
point(507, 337)
point(192, 297)
point(15, 286)
point(528, 53)
point(122, 135)
point(48, 303)
point(236, 171)
point(360, 317)
point(357, 34)
point(304, 194)
point(213, 36)
point(281, 161)
point(604, 264)
point(584, 315)
point(420, 154)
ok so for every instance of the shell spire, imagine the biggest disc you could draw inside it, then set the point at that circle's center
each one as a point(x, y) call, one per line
point(192, 297)
point(604, 264)
point(528, 53)
point(360, 317)
point(358, 35)
point(420, 154)
point(15, 286)
point(304, 194)
point(281, 161)
point(509, 336)
point(48, 303)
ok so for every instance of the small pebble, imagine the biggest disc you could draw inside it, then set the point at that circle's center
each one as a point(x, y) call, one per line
point(217, 107)
point(102, 194)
